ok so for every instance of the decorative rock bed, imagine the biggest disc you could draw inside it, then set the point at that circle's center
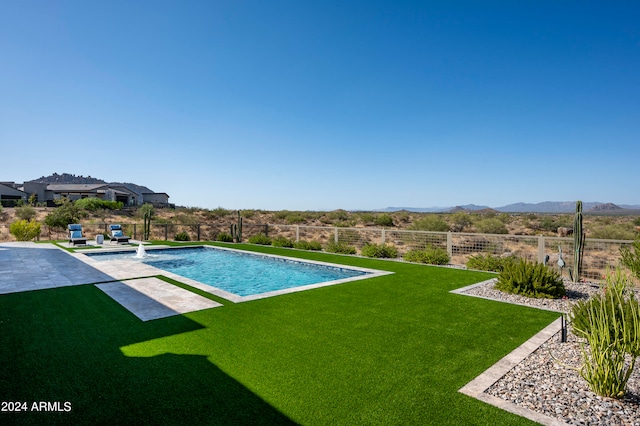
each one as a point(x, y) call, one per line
point(544, 382)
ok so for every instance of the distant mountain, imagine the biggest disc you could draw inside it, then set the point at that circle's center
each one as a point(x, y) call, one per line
point(466, 207)
point(67, 178)
point(607, 207)
point(73, 179)
point(544, 207)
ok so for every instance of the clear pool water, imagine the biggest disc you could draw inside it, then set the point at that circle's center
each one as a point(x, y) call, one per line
point(240, 273)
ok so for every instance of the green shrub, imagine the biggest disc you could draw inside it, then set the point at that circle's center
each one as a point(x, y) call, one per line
point(622, 231)
point(610, 324)
point(379, 251)
point(224, 237)
point(460, 220)
point(342, 248)
point(261, 239)
point(182, 236)
point(491, 226)
point(282, 242)
point(489, 262)
point(64, 214)
point(430, 222)
point(431, 255)
point(367, 218)
point(308, 245)
point(295, 218)
point(26, 212)
point(24, 230)
point(531, 279)
point(383, 220)
point(631, 259)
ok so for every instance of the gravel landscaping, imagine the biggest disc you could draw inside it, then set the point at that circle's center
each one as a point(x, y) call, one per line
point(545, 382)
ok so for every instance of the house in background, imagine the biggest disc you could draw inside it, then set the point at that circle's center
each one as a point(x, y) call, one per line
point(10, 194)
point(157, 199)
point(49, 192)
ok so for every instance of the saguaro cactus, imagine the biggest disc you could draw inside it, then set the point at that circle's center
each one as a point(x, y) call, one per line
point(236, 229)
point(146, 210)
point(578, 243)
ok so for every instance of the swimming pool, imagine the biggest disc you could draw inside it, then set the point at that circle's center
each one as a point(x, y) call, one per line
point(243, 274)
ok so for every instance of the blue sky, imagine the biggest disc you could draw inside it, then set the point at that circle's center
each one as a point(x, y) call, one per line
point(309, 105)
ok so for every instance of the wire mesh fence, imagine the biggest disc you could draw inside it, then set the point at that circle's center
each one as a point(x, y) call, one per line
point(598, 254)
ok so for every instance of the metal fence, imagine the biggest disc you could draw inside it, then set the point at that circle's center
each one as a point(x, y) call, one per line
point(598, 254)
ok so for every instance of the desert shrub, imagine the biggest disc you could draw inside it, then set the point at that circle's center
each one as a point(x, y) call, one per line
point(308, 245)
point(25, 230)
point(282, 214)
point(282, 242)
point(431, 255)
point(631, 257)
point(224, 237)
point(248, 213)
point(261, 239)
point(367, 218)
point(182, 236)
point(430, 222)
point(459, 221)
point(551, 224)
point(379, 251)
point(342, 248)
point(610, 324)
point(338, 215)
point(489, 262)
point(295, 218)
point(531, 279)
point(622, 231)
point(26, 212)
point(92, 204)
point(491, 226)
point(636, 221)
point(383, 220)
point(217, 213)
point(64, 214)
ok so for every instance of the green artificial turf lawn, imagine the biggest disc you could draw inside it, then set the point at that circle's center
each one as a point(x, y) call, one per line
point(387, 350)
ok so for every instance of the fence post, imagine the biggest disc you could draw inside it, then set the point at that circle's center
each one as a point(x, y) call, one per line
point(449, 244)
point(540, 249)
point(266, 229)
point(335, 235)
point(166, 231)
point(383, 235)
point(198, 232)
point(135, 237)
point(297, 233)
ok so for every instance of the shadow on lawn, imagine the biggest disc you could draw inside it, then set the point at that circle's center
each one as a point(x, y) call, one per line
point(63, 345)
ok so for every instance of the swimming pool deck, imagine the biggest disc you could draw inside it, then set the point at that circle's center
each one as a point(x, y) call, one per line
point(27, 266)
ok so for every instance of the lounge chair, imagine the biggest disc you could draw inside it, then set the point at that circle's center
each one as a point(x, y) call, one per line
point(75, 234)
point(117, 234)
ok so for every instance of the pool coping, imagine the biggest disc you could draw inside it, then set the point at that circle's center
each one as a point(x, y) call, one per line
point(141, 270)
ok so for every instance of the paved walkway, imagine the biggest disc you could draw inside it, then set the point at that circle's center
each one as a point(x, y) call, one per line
point(27, 266)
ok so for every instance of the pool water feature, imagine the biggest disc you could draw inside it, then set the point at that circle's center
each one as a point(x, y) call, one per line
point(239, 275)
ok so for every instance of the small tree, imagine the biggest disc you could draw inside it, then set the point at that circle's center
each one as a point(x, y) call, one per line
point(24, 230)
point(64, 214)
